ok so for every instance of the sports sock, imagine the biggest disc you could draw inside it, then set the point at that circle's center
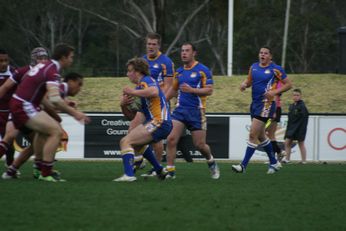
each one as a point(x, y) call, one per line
point(138, 160)
point(46, 168)
point(250, 150)
point(276, 147)
point(11, 170)
point(211, 161)
point(37, 164)
point(3, 148)
point(10, 155)
point(149, 155)
point(267, 146)
point(170, 168)
point(128, 157)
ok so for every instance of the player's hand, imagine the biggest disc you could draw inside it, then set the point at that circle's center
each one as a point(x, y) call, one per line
point(242, 87)
point(126, 100)
point(128, 90)
point(82, 118)
point(71, 103)
point(186, 88)
point(269, 94)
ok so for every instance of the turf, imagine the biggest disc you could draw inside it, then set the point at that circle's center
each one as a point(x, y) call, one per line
point(299, 197)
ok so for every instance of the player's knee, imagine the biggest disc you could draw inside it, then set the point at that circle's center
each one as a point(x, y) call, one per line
point(252, 136)
point(57, 132)
point(124, 142)
point(172, 141)
point(200, 145)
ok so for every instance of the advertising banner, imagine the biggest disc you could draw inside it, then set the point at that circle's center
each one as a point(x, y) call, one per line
point(217, 139)
point(227, 136)
point(332, 138)
point(103, 134)
point(72, 142)
point(239, 135)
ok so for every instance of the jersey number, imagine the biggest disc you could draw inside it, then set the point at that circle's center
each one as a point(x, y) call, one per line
point(33, 71)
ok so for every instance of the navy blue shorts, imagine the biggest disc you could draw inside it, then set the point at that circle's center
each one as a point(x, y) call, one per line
point(159, 130)
point(265, 110)
point(192, 118)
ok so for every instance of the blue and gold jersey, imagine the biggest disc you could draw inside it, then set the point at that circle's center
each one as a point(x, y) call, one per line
point(262, 80)
point(155, 108)
point(198, 76)
point(160, 67)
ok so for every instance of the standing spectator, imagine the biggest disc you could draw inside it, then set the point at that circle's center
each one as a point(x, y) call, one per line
point(298, 117)
point(263, 78)
point(193, 82)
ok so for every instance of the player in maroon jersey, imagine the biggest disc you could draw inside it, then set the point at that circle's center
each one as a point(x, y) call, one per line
point(6, 72)
point(38, 55)
point(40, 81)
point(70, 87)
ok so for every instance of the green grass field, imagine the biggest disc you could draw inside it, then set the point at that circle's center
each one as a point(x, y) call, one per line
point(299, 197)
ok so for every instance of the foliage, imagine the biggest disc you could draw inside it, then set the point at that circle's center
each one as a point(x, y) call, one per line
point(108, 33)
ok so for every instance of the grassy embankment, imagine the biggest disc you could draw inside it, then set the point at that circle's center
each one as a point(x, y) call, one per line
point(323, 93)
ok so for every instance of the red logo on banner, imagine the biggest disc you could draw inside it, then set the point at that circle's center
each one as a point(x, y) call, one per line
point(336, 132)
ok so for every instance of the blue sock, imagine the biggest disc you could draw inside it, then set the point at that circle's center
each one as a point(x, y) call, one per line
point(267, 146)
point(128, 163)
point(250, 150)
point(149, 155)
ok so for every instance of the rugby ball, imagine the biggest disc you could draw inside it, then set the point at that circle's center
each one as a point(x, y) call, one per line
point(136, 104)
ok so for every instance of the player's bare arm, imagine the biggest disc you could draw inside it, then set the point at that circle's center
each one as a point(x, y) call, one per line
point(9, 83)
point(286, 85)
point(205, 91)
point(168, 82)
point(55, 98)
point(146, 93)
point(245, 84)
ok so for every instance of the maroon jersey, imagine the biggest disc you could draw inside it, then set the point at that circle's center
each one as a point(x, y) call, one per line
point(4, 101)
point(16, 78)
point(33, 85)
point(19, 73)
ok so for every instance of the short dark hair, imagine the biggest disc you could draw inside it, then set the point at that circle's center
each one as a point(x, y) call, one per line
point(153, 35)
point(297, 90)
point(191, 44)
point(139, 64)
point(62, 50)
point(72, 76)
point(268, 48)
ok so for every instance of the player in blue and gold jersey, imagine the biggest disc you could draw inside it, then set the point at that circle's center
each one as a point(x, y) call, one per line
point(192, 83)
point(154, 115)
point(162, 70)
point(263, 77)
point(161, 66)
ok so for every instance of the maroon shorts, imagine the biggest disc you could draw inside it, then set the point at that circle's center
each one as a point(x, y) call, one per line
point(21, 112)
